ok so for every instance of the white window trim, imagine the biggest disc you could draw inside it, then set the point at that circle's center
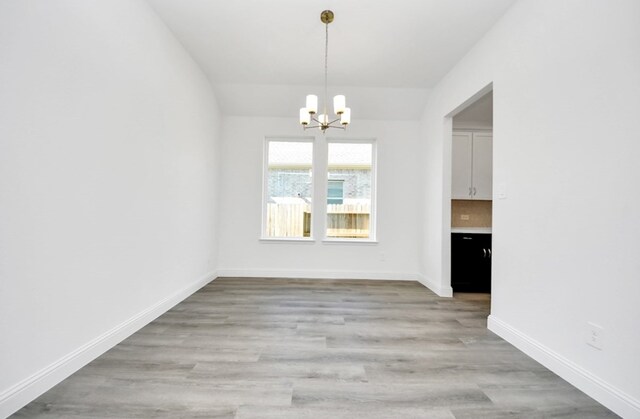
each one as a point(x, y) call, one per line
point(306, 240)
point(265, 188)
point(337, 240)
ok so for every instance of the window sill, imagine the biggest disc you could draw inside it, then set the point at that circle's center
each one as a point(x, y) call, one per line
point(370, 242)
point(304, 240)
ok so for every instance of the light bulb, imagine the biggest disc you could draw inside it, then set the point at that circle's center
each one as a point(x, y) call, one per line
point(305, 117)
point(339, 104)
point(312, 104)
point(345, 118)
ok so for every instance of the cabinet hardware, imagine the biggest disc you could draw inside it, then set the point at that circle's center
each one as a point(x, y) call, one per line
point(474, 191)
point(469, 190)
point(485, 253)
point(489, 252)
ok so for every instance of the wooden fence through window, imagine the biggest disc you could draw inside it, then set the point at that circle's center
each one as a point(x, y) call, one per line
point(348, 220)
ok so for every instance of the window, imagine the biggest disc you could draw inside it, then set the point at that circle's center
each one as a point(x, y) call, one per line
point(288, 188)
point(350, 190)
point(288, 198)
point(335, 193)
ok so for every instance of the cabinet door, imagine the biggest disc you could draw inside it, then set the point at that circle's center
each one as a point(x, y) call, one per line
point(461, 155)
point(463, 261)
point(470, 262)
point(484, 268)
point(482, 167)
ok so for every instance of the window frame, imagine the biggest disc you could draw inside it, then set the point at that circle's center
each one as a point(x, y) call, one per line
point(373, 238)
point(265, 186)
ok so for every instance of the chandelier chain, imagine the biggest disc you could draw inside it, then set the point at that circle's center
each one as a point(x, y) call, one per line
point(326, 71)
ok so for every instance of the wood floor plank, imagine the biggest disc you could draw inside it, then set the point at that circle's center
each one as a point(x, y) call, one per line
point(298, 348)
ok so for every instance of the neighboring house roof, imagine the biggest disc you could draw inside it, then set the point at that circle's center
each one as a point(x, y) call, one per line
point(290, 154)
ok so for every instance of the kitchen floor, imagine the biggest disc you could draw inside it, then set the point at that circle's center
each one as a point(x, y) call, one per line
point(286, 348)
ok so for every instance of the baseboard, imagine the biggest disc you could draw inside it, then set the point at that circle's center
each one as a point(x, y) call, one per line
point(438, 289)
point(29, 389)
point(603, 392)
point(318, 274)
point(331, 274)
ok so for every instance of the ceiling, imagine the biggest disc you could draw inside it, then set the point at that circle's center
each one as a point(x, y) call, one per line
point(479, 114)
point(372, 44)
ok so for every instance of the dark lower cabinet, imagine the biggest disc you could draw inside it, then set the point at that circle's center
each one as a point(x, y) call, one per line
point(471, 262)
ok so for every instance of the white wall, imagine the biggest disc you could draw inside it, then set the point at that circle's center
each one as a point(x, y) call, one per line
point(273, 100)
point(107, 183)
point(243, 254)
point(566, 79)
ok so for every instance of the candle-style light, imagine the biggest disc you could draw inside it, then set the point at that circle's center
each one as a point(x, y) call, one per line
point(339, 104)
point(305, 117)
point(312, 104)
point(345, 117)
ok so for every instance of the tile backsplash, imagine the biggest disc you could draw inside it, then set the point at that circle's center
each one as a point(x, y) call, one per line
point(465, 213)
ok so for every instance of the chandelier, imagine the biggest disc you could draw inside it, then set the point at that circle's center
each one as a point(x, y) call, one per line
point(309, 113)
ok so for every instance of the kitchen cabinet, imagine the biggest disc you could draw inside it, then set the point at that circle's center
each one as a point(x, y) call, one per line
point(471, 262)
point(472, 165)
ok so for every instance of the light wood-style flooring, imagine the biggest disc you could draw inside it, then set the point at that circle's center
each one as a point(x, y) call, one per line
point(286, 348)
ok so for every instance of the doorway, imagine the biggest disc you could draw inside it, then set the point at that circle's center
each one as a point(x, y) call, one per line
point(471, 199)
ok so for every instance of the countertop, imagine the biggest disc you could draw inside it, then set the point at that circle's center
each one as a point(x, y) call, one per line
point(471, 230)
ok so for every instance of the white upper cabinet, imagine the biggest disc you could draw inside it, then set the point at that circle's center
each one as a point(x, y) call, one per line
point(472, 165)
point(461, 164)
